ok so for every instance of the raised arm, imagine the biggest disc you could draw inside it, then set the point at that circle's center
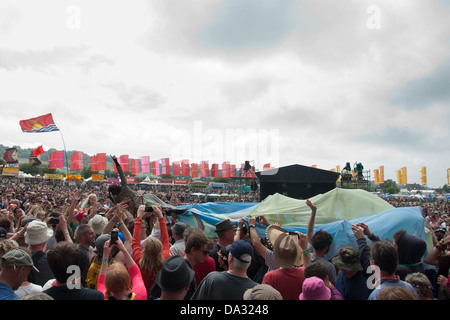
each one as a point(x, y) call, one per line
point(312, 219)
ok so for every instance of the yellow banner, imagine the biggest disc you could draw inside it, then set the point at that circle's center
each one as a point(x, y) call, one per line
point(98, 177)
point(53, 176)
point(73, 177)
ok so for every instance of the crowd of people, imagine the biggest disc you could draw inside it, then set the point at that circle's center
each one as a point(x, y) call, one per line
point(99, 242)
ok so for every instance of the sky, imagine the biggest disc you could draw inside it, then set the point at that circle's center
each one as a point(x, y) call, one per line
point(309, 82)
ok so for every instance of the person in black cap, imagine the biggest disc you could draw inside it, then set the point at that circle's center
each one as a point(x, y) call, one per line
point(225, 232)
point(232, 283)
point(175, 278)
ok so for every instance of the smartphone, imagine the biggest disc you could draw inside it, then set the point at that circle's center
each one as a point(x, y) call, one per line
point(114, 237)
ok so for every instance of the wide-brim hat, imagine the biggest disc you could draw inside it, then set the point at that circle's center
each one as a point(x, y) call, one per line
point(272, 234)
point(98, 223)
point(348, 259)
point(224, 225)
point(175, 274)
point(37, 232)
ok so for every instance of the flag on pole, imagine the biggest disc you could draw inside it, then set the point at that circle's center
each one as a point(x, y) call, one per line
point(43, 123)
point(38, 151)
point(145, 164)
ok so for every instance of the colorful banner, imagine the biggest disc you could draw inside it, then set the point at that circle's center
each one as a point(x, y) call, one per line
point(98, 177)
point(43, 123)
point(176, 167)
point(165, 166)
point(381, 179)
point(101, 161)
point(10, 155)
point(376, 173)
point(94, 164)
point(76, 161)
point(185, 168)
point(56, 160)
point(204, 168)
point(226, 169)
point(214, 170)
point(424, 176)
point(194, 170)
point(124, 163)
point(53, 176)
point(156, 170)
point(145, 164)
point(73, 177)
point(134, 166)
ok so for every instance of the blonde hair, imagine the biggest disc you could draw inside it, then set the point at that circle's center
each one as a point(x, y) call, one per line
point(421, 283)
point(152, 258)
point(117, 279)
point(86, 203)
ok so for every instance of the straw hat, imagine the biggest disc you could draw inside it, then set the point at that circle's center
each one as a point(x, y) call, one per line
point(272, 234)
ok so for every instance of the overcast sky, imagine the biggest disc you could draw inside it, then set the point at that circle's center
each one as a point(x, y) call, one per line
point(281, 82)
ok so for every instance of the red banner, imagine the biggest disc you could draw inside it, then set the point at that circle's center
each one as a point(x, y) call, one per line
point(226, 169)
point(194, 170)
point(155, 168)
point(204, 168)
point(56, 160)
point(185, 168)
point(176, 167)
point(214, 170)
point(94, 164)
point(76, 161)
point(165, 166)
point(38, 151)
point(135, 166)
point(101, 161)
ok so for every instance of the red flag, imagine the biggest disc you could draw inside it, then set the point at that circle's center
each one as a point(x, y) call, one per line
point(94, 164)
point(176, 166)
point(43, 123)
point(124, 163)
point(204, 168)
point(101, 161)
point(56, 160)
point(226, 169)
point(194, 170)
point(156, 168)
point(38, 151)
point(165, 166)
point(214, 170)
point(76, 161)
point(185, 168)
point(135, 166)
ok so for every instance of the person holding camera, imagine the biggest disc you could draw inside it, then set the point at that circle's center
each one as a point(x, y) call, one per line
point(117, 282)
point(151, 254)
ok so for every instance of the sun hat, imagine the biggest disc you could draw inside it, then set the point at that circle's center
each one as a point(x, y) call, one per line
point(240, 248)
point(262, 292)
point(18, 258)
point(273, 232)
point(98, 223)
point(348, 259)
point(224, 225)
point(285, 250)
point(175, 274)
point(315, 289)
point(37, 232)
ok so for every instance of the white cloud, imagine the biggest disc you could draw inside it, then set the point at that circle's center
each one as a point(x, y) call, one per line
point(136, 77)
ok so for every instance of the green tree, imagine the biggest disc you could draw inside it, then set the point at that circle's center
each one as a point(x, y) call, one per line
point(389, 186)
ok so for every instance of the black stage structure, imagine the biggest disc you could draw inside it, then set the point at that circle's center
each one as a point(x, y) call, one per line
point(296, 181)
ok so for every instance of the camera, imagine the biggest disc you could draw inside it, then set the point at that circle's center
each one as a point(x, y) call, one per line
point(148, 208)
point(114, 237)
point(54, 220)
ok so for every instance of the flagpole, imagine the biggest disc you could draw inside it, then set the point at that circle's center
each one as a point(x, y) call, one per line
point(65, 152)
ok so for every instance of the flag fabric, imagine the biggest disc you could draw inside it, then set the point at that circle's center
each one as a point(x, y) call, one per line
point(155, 168)
point(204, 168)
point(101, 161)
point(176, 166)
point(145, 164)
point(226, 169)
point(214, 170)
point(165, 166)
point(94, 164)
point(76, 161)
point(38, 151)
point(185, 168)
point(10, 155)
point(43, 123)
point(56, 160)
point(194, 170)
point(134, 166)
